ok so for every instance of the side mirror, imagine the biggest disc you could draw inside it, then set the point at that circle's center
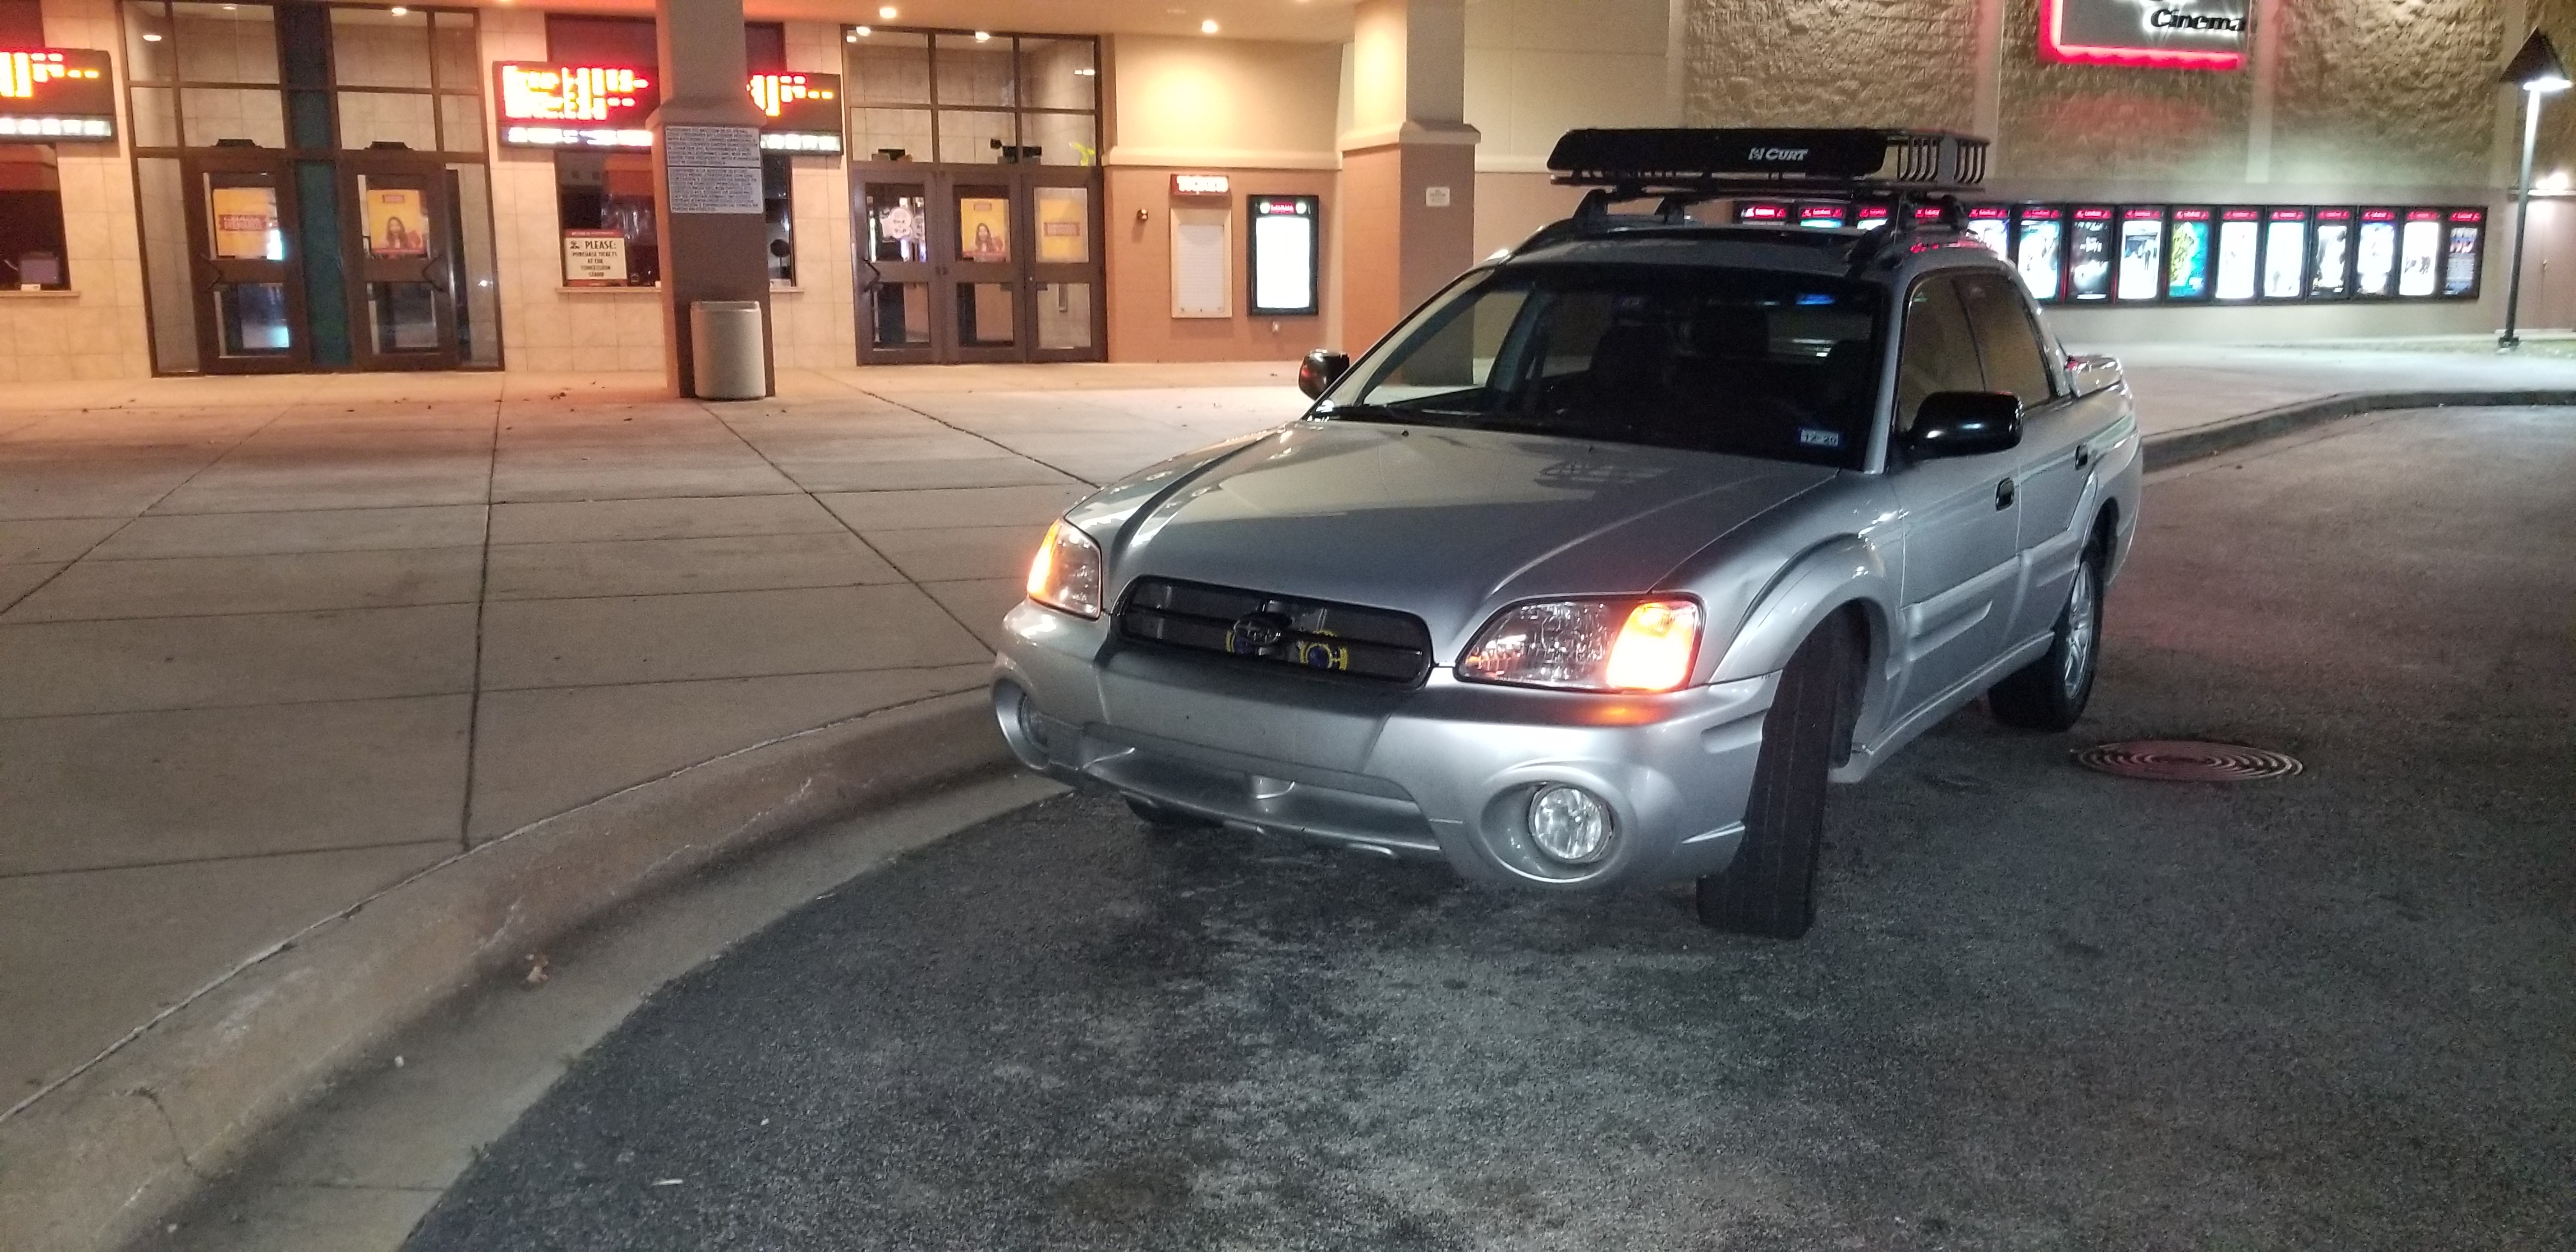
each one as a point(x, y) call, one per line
point(1321, 369)
point(1965, 423)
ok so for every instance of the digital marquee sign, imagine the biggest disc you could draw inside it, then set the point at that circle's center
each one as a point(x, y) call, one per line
point(597, 106)
point(2146, 34)
point(65, 95)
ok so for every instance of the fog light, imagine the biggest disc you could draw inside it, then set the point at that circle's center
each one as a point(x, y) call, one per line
point(1571, 824)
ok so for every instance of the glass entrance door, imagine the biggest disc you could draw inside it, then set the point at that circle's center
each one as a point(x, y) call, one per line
point(400, 238)
point(977, 263)
point(245, 265)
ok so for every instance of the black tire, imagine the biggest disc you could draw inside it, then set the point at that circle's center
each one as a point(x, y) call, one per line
point(1163, 821)
point(1769, 889)
point(2051, 692)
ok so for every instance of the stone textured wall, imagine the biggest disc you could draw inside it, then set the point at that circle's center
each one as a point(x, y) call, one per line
point(1829, 62)
point(2098, 121)
point(94, 330)
point(2402, 88)
point(2368, 92)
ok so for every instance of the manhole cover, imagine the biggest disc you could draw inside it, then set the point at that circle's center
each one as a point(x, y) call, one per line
point(2186, 760)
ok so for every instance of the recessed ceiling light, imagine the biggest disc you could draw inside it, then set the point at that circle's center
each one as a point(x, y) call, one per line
point(1085, 72)
point(886, 13)
point(399, 11)
point(1208, 27)
point(859, 34)
point(983, 36)
point(151, 37)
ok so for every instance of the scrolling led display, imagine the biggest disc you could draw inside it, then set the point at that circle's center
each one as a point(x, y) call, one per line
point(595, 106)
point(58, 94)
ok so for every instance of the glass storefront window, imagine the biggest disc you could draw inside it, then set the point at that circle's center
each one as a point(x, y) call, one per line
point(976, 138)
point(1058, 74)
point(886, 67)
point(32, 254)
point(370, 118)
point(379, 48)
point(149, 54)
point(612, 192)
point(209, 116)
point(459, 67)
point(890, 134)
point(460, 122)
point(974, 72)
point(1059, 139)
point(225, 43)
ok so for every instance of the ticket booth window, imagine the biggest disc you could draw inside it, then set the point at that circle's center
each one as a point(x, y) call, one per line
point(604, 202)
point(31, 219)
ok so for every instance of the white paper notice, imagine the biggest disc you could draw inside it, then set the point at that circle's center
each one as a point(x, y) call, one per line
point(712, 169)
point(1202, 282)
point(715, 189)
point(736, 146)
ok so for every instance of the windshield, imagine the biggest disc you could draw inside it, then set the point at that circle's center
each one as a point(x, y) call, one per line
point(1749, 362)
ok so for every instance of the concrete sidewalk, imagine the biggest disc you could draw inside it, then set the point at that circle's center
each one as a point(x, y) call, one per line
point(273, 644)
point(269, 646)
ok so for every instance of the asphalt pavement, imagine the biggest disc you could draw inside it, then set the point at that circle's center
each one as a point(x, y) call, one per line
point(2043, 1008)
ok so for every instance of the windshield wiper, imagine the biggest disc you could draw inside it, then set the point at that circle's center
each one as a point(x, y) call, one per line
point(1369, 413)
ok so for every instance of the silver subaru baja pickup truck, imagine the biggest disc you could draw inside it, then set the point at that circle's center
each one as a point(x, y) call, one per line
point(1601, 565)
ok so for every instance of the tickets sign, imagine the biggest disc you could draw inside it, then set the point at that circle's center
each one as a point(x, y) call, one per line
point(598, 106)
point(59, 95)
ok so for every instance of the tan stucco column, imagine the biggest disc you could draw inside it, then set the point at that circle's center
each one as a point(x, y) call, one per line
point(1408, 162)
point(713, 243)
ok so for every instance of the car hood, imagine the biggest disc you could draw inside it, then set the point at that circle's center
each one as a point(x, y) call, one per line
point(1445, 524)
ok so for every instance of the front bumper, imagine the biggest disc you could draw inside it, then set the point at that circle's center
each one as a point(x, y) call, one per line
point(1443, 770)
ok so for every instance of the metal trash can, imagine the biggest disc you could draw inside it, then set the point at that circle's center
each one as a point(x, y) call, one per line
point(726, 350)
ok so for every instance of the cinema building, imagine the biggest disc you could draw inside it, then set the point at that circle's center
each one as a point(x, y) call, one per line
point(192, 187)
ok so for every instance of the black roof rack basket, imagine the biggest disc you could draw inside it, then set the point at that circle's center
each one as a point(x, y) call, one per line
point(1769, 161)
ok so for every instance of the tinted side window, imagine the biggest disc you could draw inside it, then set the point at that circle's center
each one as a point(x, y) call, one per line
point(2008, 341)
point(1939, 353)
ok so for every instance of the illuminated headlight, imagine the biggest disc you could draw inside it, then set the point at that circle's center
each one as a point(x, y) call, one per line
point(1571, 824)
point(1588, 645)
point(1066, 573)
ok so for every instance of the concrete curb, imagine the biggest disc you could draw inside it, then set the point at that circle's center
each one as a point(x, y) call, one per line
point(2177, 446)
point(98, 1161)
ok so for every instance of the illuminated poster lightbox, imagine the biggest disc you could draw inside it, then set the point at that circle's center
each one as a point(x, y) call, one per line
point(2146, 34)
point(2142, 254)
point(60, 95)
point(2419, 253)
point(2240, 241)
point(1991, 225)
point(2035, 249)
point(2460, 255)
point(2088, 248)
point(2285, 254)
point(1287, 253)
point(2187, 256)
point(2330, 260)
point(597, 106)
point(2374, 263)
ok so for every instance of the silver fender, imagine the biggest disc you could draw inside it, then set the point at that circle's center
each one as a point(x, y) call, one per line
point(1838, 572)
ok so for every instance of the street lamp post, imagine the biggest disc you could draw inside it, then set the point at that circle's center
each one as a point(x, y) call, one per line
point(2538, 71)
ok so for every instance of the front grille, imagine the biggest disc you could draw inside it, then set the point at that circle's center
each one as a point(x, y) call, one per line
point(1279, 630)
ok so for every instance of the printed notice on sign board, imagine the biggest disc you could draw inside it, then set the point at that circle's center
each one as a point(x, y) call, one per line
point(734, 147)
point(1202, 282)
point(594, 258)
point(715, 189)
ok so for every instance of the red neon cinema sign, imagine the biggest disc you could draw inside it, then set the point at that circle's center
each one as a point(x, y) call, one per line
point(2146, 34)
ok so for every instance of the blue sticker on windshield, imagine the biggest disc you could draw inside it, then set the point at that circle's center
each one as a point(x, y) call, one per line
point(1820, 438)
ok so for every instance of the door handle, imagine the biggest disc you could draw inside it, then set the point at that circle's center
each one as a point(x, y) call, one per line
point(2004, 494)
